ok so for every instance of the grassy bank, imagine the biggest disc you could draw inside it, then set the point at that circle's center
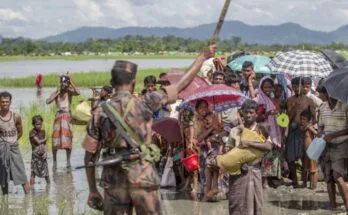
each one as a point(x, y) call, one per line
point(81, 79)
point(47, 112)
point(88, 57)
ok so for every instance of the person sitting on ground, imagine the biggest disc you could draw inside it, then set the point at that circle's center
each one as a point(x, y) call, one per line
point(37, 137)
point(310, 167)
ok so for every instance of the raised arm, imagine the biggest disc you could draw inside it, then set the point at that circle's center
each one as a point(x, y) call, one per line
point(75, 90)
point(52, 97)
point(195, 67)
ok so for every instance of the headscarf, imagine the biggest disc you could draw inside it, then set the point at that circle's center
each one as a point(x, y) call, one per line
point(262, 98)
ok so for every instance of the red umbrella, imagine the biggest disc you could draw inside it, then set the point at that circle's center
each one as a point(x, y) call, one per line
point(175, 75)
point(168, 128)
point(221, 96)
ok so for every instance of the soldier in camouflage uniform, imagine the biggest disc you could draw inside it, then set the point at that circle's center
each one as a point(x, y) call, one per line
point(135, 184)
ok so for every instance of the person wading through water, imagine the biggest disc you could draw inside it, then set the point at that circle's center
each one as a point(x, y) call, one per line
point(11, 161)
point(62, 129)
point(133, 183)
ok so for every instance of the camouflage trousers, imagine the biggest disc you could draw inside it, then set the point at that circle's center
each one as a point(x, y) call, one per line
point(123, 196)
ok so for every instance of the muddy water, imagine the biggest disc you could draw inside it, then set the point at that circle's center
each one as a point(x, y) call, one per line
point(68, 192)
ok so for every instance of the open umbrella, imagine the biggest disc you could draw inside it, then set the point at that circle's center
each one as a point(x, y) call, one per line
point(175, 75)
point(168, 128)
point(336, 60)
point(337, 85)
point(221, 96)
point(301, 63)
point(258, 61)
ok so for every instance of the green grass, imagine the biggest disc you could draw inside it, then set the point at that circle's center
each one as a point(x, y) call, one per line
point(87, 57)
point(47, 112)
point(81, 79)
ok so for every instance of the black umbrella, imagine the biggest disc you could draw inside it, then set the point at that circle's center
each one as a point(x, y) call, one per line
point(337, 61)
point(336, 85)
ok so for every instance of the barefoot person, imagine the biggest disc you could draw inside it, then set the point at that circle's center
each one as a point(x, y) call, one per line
point(245, 192)
point(37, 137)
point(62, 129)
point(132, 183)
point(11, 161)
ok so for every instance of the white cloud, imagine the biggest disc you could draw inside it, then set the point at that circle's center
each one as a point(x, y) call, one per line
point(88, 10)
point(7, 14)
point(37, 18)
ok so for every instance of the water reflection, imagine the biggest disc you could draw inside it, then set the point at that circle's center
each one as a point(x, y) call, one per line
point(40, 199)
point(64, 195)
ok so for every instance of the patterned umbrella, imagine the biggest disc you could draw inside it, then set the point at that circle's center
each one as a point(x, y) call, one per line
point(301, 63)
point(258, 61)
point(175, 75)
point(221, 96)
point(337, 85)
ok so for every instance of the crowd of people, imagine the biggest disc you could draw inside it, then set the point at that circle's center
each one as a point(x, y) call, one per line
point(208, 133)
point(122, 121)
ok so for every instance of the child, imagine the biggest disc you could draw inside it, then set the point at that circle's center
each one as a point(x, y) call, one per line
point(233, 160)
point(294, 142)
point(149, 84)
point(309, 166)
point(211, 170)
point(39, 166)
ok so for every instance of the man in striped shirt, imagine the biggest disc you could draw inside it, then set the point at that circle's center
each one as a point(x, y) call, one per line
point(333, 124)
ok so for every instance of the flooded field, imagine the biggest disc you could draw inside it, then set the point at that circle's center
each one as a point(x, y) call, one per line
point(68, 190)
point(26, 68)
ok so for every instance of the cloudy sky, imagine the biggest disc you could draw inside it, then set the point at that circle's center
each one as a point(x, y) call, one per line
point(40, 18)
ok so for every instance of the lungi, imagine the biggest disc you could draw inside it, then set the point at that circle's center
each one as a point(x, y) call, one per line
point(11, 164)
point(62, 131)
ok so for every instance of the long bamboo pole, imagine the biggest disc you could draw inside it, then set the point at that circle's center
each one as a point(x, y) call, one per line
point(221, 21)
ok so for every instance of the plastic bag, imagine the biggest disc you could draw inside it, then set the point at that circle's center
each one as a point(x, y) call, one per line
point(168, 176)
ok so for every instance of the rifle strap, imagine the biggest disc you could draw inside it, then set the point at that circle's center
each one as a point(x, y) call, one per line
point(120, 124)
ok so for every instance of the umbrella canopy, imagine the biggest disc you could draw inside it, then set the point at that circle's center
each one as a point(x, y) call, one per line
point(258, 61)
point(336, 60)
point(221, 96)
point(337, 85)
point(175, 75)
point(168, 128)
point(301, 63)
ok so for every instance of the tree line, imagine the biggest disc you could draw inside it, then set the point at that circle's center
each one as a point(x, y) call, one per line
point(151, 44)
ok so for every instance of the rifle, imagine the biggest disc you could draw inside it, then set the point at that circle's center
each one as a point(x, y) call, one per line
point(117, 159)
point(133, 153)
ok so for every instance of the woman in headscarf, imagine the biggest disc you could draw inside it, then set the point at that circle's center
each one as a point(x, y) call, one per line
point(268, 110)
